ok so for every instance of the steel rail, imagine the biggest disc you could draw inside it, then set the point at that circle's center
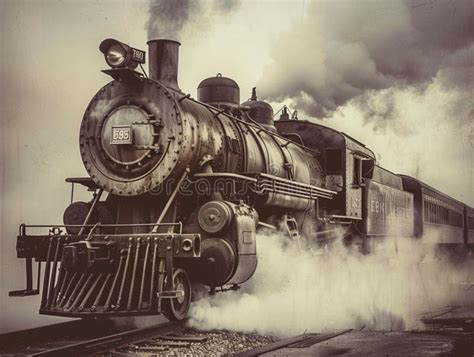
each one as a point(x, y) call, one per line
point(287, 342)
point(105, 343)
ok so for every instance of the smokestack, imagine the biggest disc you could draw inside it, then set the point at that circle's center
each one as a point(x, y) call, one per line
point(163, 62)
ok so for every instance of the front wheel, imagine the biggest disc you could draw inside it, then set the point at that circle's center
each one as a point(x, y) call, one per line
point(176, 309)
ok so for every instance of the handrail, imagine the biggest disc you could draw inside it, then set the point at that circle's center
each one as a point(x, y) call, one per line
point(24, 226)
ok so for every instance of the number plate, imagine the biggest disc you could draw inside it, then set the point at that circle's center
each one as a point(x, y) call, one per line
point(121, 134)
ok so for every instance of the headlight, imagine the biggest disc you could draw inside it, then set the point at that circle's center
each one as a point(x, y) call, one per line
point(115, 56)
point(120, 55)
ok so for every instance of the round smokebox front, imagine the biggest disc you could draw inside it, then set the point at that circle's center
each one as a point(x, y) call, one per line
point(130, 137)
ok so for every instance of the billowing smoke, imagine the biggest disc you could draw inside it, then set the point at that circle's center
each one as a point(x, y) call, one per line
point(170, 19)
point(333, 289)
point(345, 50)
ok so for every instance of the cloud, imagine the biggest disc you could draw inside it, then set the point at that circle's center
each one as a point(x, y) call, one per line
point(344, 50)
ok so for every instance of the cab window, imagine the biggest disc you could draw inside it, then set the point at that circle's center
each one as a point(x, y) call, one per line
point(357, 171)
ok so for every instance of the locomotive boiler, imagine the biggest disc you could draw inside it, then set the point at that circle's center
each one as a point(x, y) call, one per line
point(181, 185)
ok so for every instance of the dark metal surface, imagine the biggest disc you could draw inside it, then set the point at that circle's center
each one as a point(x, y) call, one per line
point(163, 62)
point(88, 268)
point(260, 111)
point(438, 215)
point(388, 211)
point(85, 181)
point(219, 91)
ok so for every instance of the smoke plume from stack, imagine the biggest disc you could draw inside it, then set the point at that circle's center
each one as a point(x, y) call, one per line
point(170, 19)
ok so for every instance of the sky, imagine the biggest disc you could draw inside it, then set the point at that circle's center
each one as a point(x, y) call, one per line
point(396, 75)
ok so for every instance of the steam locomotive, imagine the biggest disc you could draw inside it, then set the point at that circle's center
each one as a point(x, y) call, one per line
point(181, 186)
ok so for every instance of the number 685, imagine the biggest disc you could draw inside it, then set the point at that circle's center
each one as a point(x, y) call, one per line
point(121, 134)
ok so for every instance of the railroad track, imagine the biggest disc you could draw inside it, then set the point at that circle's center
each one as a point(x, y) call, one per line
point(107, 344)
point(170, 338)
point(37, 339)
point(75, 338)
point(186, 341)
point(173, 339)
point(301, 341)
point(448, 332)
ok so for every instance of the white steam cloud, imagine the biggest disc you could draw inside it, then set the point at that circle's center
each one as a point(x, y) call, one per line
point(342, 50)
point(324, 290)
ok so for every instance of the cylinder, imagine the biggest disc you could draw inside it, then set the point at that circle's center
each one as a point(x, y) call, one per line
point(163, 62)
